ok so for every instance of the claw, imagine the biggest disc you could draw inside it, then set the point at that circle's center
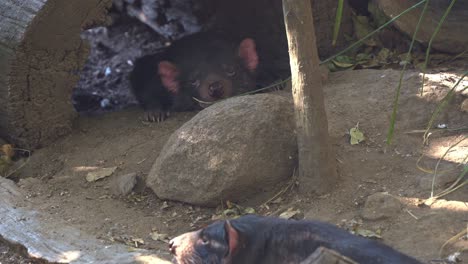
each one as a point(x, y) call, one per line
point(156, 116)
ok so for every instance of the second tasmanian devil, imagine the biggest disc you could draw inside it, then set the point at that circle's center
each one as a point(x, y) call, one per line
point(205, 66)
point(254, 239)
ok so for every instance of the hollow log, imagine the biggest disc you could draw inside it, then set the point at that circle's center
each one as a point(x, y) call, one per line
point(41, 54)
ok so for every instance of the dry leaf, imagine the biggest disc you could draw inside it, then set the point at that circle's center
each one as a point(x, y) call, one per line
point(8, 150)
point(99, 174)
point(290, 213)
point(366, 233)
point(138, 241)
point(159, 237)
point(248, 210)
point(356, 136)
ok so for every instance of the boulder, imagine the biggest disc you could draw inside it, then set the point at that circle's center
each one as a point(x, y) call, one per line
point(233, 150)
point(452, 37)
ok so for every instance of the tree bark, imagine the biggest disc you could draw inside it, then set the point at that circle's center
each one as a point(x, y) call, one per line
point(317, 167)
point(41, 54)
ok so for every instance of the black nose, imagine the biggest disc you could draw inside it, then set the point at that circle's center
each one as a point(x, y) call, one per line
point(216, 89)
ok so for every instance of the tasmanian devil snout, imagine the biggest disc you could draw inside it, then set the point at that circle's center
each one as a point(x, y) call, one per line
point(216, 89)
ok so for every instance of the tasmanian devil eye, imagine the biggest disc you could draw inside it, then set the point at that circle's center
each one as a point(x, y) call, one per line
point(205, 240)
point(230, 71)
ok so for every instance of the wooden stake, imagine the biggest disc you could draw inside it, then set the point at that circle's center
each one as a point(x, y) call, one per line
point(317, 167)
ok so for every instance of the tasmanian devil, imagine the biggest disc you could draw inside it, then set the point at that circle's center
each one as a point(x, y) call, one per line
point(205, 66)
point(254, 239)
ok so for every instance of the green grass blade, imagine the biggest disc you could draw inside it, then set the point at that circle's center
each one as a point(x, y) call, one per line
point(359, 42)
point(442, 104)
point(339, 15)
point(391, 129)
point(436, 31)
point(438, 162)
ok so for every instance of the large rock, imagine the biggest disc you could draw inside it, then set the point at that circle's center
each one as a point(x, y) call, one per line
point(452, 37)
point(230, 151)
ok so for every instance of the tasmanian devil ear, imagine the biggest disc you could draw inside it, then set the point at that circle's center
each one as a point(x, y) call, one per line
point(168, 73)
point(233, 237)
point(248, 54)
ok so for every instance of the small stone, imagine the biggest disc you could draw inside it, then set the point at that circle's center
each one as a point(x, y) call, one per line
point(107, 71)
point(105, 103)
point(380, 206)
point(123, 184)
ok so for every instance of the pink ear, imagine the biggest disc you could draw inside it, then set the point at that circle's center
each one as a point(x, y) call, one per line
point(233, 237)
point(169, 73)
point(248, 53)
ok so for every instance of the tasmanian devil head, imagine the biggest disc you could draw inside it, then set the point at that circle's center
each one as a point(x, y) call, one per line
point(209, 68)
point(215, 244)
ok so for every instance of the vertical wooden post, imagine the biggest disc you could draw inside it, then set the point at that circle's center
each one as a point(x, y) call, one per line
point(317, 166)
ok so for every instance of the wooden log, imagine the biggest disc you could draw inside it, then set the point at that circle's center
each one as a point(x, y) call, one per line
point(317, 167)
point(452, 37)
point(41, 54)
point(37, 235)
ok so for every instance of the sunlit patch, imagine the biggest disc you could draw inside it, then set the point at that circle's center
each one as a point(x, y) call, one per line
point(188, 137)
point(445, 148)
point(69, 256)
point(443, 80)
point(84, 168)
point(456, 206)
point(446, 79)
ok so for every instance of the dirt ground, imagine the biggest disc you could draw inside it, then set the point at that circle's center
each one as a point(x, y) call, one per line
point(54, 177)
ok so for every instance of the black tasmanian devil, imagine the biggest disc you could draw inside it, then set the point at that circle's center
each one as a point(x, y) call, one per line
point(205, 66)
point(261, 240)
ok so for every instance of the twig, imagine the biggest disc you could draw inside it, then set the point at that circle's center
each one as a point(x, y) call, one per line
point(22, 165)
point(410, 213)
point(438, 162)
point(291, 183)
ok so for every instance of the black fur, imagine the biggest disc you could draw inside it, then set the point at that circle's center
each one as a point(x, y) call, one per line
point(271, 240)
